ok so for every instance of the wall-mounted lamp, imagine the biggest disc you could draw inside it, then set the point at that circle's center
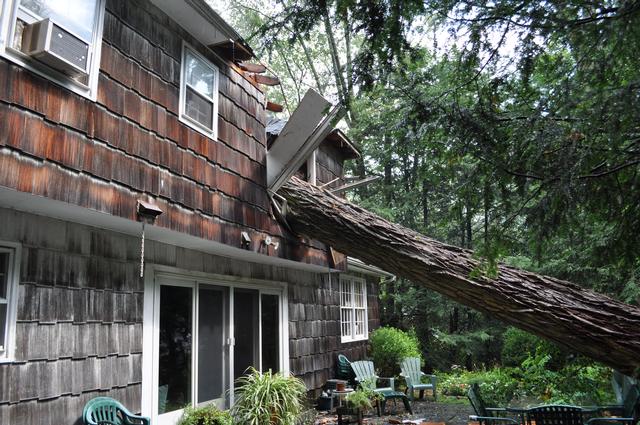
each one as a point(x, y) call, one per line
point(245, 242)
point(268, 241)
point(147, 213)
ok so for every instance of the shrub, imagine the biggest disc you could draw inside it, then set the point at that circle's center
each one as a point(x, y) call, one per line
point(497, 386)
point(389, 346)
point(453, 384)
point(268, 399)
point(517, 346)
point(207, 415)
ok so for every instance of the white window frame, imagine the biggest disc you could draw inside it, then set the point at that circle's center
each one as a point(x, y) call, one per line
point(11, 11)
point(348, 285)
point(184, 118)
point(157, 275)
point(14, 250)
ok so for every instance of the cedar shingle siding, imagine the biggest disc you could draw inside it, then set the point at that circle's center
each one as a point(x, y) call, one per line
point(104, 155)
point(314, 328)
point(79, 322)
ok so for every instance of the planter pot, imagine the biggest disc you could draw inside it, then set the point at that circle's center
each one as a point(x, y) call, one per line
point(325, 403)
point(355, 415)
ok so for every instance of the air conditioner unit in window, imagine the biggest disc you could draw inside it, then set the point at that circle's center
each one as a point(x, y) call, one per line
point(51, 44)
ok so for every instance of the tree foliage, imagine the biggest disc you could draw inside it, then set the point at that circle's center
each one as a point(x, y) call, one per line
point(509, 127)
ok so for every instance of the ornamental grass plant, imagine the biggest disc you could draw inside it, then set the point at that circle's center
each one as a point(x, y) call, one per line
point(268, 399)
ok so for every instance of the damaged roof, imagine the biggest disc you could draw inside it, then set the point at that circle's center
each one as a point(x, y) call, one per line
point(336, 137)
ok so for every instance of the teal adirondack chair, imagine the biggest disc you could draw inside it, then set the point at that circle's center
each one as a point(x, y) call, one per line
point(107, 411)
point(410, 368)
point(365, 372)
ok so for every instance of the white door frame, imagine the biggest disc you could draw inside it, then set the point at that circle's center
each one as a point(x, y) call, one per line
point(156, 275)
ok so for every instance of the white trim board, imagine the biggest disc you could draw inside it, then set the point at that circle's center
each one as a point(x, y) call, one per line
point(309, 124)
point(40, 205)
point(157, 275)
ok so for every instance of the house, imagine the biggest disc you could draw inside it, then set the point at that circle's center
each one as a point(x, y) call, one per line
point(114, 112)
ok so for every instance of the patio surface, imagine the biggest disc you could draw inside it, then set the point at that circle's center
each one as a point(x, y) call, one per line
point(433, 413)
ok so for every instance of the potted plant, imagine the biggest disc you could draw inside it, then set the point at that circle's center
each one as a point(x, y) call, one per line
point(359, 401)
point(207, 415)
point(268, 399)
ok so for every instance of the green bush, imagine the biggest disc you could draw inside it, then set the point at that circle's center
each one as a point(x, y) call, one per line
point(577, 383)
point(268, 399)
point(207, 415)
point(389, 346)
point(498, 386)
point(517, 346)
point(453, 384)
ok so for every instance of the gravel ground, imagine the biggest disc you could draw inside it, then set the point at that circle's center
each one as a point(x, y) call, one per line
point(447, 413)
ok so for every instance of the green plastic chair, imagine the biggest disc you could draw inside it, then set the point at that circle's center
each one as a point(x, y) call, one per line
point(107, 411)
point(554, 414)
point(486, 415)
point(344, 370)
point(410, 371)
point(365, 372)
point(629, 411)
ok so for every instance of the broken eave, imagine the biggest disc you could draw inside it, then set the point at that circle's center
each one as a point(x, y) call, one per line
point(343, 143)
point(233, 50)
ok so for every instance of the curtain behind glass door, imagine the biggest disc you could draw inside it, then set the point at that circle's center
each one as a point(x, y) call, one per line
point(270, 332)
point(212, 348)
point(246, 330)
point(175, 342)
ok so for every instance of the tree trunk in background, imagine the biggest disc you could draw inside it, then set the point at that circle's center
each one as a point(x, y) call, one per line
point(581, 320)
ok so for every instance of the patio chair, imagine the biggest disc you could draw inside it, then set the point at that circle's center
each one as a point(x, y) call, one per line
point(486, 415)
point(365, 373)
point(553, 414)
point(344, 370)
point(107, 411)
point(410, 371)
point(629, 411)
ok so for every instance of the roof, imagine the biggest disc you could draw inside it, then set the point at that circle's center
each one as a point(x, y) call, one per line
point(336, 137)
point(206, 25)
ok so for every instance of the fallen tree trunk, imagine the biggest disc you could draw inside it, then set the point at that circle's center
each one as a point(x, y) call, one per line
point(582, 320)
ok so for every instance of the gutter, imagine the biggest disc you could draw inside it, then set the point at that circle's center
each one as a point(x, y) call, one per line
point(353, 264)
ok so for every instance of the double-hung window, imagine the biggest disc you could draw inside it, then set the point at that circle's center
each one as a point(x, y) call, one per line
point(58, 39)
point(199, 93)
point(8, 292)
point(353, 308)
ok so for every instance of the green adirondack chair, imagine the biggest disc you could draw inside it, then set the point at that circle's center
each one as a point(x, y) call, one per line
point(107, 411)
point(410, 371)
point(365, 372)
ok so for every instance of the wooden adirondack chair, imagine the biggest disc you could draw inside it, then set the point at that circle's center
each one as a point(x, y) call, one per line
point(410, 368)
point(486, 415)
point(107, 411)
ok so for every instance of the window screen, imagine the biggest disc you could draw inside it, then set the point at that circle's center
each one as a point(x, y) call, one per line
point(199, 92)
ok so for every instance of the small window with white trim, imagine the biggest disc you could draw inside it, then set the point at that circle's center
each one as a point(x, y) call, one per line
point(353, 308)
point(7, 299)
point(199, 93)
point(60, 40)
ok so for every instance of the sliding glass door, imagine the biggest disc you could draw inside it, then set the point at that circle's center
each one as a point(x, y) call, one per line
point(206, 336)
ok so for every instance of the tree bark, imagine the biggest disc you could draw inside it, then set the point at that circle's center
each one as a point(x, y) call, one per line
point(582, 320)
